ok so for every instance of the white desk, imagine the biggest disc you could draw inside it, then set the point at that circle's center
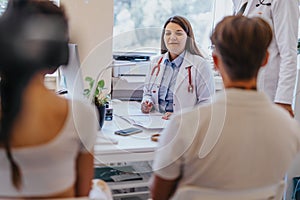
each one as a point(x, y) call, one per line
point(131, 87)
point(132, 148)
point(138, 147)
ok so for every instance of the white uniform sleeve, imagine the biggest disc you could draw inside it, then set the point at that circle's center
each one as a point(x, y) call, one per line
point(285, 20)
point(147, 95)
point(205, 83)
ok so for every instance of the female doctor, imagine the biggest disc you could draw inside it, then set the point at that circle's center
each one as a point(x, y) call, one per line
point(180, 77)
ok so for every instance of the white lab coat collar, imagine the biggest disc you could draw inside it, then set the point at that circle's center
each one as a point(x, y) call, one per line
point(182, 75)
point(237, 4)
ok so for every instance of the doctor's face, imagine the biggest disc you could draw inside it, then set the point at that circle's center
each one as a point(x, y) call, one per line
point(175, 39)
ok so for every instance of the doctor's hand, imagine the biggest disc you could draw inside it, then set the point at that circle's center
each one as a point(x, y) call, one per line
point(288, 107)
point(146, 107)
point(166, 115)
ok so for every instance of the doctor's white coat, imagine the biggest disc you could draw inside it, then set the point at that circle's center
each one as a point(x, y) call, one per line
point(202, 81)
point(277, 78)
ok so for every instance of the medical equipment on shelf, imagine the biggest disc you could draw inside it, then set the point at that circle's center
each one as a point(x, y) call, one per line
point(128, 80)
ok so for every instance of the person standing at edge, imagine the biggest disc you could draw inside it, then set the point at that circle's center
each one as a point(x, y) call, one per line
point(278, 78)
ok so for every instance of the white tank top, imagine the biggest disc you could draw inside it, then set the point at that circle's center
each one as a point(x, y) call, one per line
point(50, 168)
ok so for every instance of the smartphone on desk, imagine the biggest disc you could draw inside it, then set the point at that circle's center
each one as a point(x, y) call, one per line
point(128, 131)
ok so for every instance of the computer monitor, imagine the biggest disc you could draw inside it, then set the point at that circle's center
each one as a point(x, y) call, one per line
point(71, 78)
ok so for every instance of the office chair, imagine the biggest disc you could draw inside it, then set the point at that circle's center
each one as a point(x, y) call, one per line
point(294, 171)
point(271, 192)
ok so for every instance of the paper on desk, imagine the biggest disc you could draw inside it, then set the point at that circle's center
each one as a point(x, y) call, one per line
point(146, 121)
point(133, 79)
point(130, 108)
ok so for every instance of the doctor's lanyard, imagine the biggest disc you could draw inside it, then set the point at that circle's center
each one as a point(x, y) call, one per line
point(157, 69)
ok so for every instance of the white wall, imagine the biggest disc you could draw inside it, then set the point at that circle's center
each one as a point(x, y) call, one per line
point(222, 8)
point(91, 27)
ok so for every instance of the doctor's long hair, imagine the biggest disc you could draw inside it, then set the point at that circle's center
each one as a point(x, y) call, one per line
point(191, 45)
point(24, 52)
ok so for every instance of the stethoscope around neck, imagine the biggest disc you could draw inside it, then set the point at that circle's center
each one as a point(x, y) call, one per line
point(261, 2)
point(155, 72)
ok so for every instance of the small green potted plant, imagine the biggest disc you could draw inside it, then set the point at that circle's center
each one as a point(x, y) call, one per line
point(100, 98)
